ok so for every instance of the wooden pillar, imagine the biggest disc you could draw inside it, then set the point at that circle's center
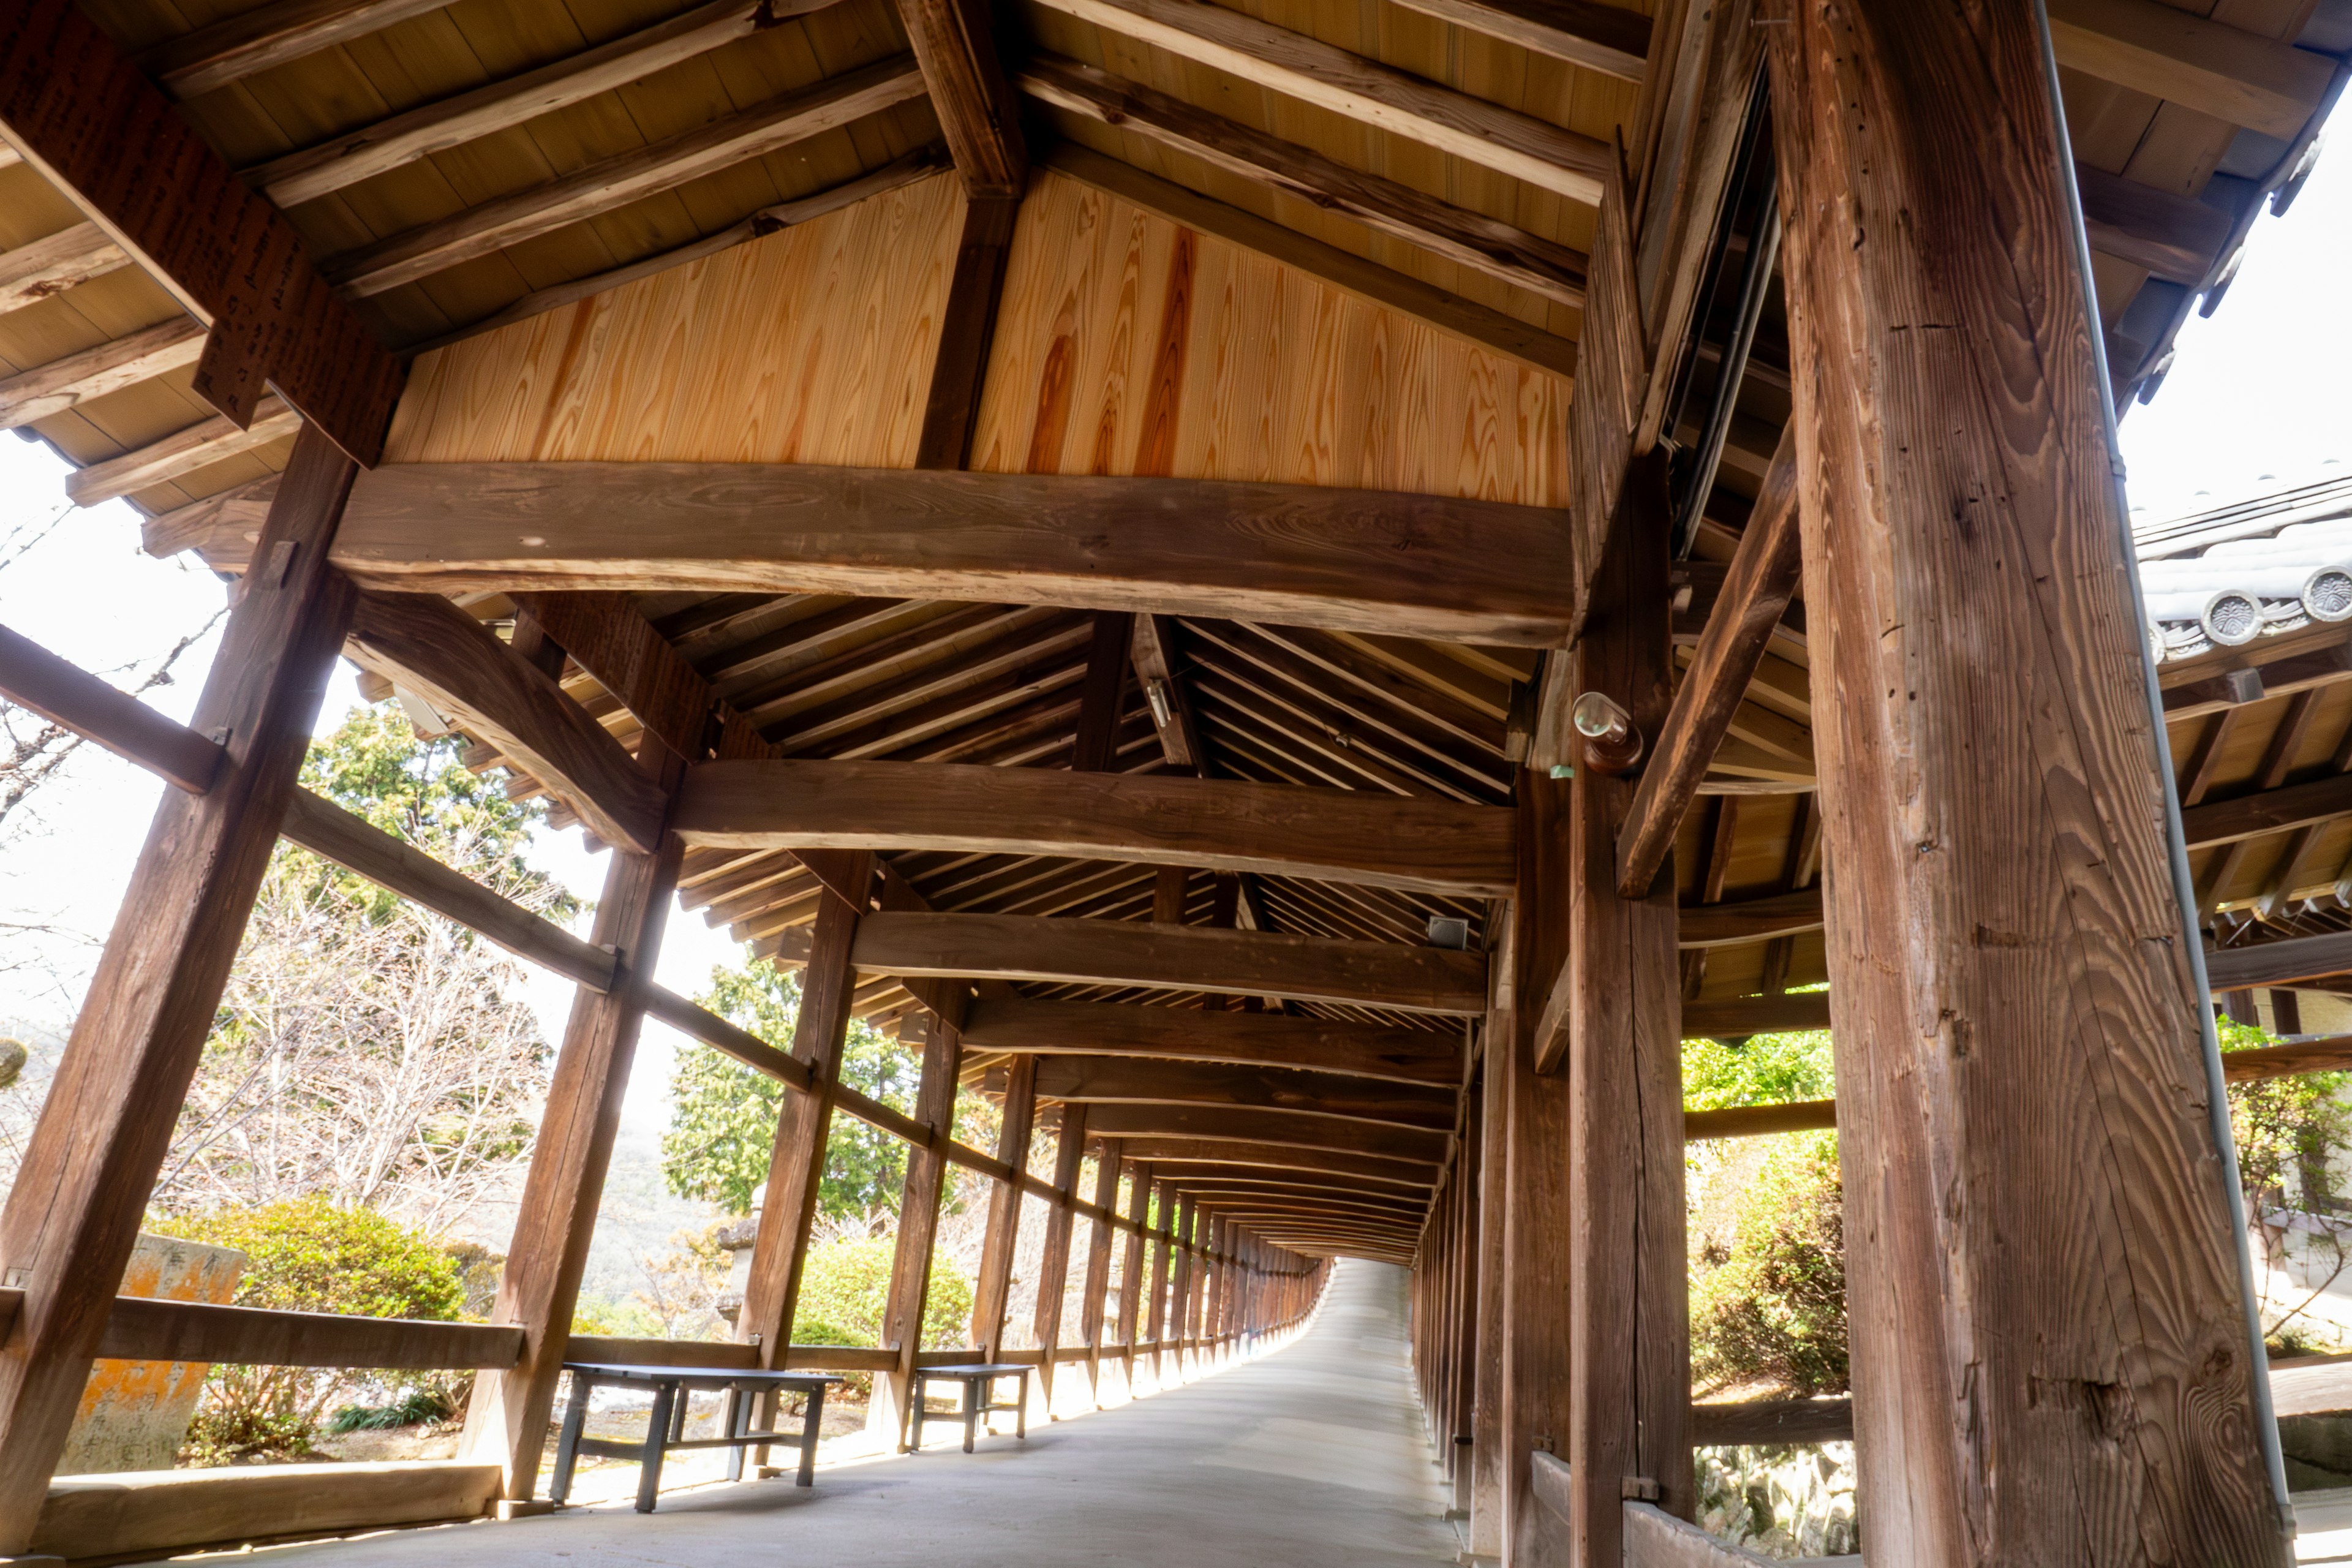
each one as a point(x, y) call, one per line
point(1536, 1405)
point(1130, 1267)
point(1097, 1285)
point(1462, 1355)
point(1004, 1232)
point(2050, 1353)
point(74, 1211)
point(1053, 1270)
point(1156, 1278)
point(1629, 1313)
point(1180, 1303)
point(1486, 1391)
point(506, 1420)
point(919, 1226)
point(804, 1122)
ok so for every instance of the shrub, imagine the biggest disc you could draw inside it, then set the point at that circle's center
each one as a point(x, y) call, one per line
point(306, 1255)
point(846, 1290)
point(1773, 1306)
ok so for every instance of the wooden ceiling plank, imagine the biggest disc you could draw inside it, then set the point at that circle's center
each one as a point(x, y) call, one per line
point(1388, 841)
point(1475, 571)
point(1240, 1040)
point(394, 143)
point(46, 268)
point(1500, 250)
point(2238, 77)
point(1564, 163)
point(432, 647)
point(1601, 38)
point(1132, 953)
point(601, 187)
point(74, 379)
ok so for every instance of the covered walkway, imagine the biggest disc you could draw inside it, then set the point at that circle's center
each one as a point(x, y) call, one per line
point(1311, 1456)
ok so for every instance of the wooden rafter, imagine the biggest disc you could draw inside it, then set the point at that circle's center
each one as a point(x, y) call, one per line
point(1128, 1080)
point(1258, 1039)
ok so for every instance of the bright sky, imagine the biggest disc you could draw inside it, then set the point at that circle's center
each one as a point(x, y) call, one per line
point(2258, 399)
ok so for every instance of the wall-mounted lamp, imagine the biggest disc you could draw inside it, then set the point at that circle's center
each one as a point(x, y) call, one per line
point(1155, 691)
point(1611, 744)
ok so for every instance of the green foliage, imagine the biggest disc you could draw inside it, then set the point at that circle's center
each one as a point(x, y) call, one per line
point(306, 1255)
point(414, 1408)
point(1772, 1305)
point(722, 1123)
point(597, 1313)
point(1766, 1069)
point(2286, 1130)
point(845, 1292)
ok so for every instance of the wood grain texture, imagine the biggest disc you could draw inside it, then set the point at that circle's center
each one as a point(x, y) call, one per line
point(2279, 962)
point(74, 1210)
point(2232, 74)
point(2266, 811)
point(1352, 559)
point(1083, 1079)
point(147, 1514)
point(606, 637)
point(1082, 952)
point(85, 117)
point(993, 1288)
point(1340, 835)
point(1187, 1034)
point(813, 344)
point(32, 677)
point(918, 1224)
point(507, 1417)
point(430, 646)
point(977, 109)
point(2048, 1269)
point(325, 828)
point(47, 267)
point(1750, 920)
point(98, 371)
point(1479, 132)
point(1054, 1266)
point(1287, 377)
point(1755, 1015)
point(251, 41)
point(1597, 36)
point(199, 446)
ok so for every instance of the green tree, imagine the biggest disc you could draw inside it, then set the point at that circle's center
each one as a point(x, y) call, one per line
point(722, 1122)
point(2287, 1131)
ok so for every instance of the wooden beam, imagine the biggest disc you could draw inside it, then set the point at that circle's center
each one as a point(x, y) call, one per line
point(1189, 1034)
point(2097, 1227)
point(1749, 920)
point(1003, 1234)
point(141, 1328)
point(259, 39)
point(1487, 328)
point(976, 110)
point(1127, 1080)
point(1742, 1016)
point(601, 187)
point(1123, 952)
point(2238, 77)
point(2283, 962)
point(1099, 702)
point(968, 324)
point(64, 694)
point(506, 1417)
point(325, 828)
point(1368, 561)
point(342, 160)
point(88, 375)
point(918, 1224)
point(1383, 840)
point(1167, 1153)
point(2266, 811)
point(82, 114)
point(1597, 36)
point(1215, 1124)
point(606, 637)
point(199, 446)
point(83, 1182)
point(1498, 249)
point(45, 267)
point(1153, 656)
point(431, 647)
point(1564, 163)
point(1754, 595)
point(2178, 238)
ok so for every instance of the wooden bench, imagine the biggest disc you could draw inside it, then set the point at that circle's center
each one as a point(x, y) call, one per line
point(666, 1431)
point(978, 1379)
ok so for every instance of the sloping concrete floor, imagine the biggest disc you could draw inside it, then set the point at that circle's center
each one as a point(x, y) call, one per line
point(1311, 1457)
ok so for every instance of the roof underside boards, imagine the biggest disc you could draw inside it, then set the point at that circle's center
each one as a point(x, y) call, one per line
point(644, 230)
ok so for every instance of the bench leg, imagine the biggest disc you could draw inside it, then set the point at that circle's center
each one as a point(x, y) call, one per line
point(915, 1413)
point(677, 1414)
point(567, 1446)
point(650, 1463)
point(974, 1398)
point(738, 1418)
point(1021, 1410)
point(808, 1437)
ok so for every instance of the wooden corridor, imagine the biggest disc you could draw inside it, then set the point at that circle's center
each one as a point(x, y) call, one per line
point(1313, 1456)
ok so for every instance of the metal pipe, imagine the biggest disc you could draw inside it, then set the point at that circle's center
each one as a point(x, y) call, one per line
point(2184, 887)
point(1754, 288)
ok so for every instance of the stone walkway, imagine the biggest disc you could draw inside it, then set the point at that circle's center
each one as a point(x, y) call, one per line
point(1311, 1457)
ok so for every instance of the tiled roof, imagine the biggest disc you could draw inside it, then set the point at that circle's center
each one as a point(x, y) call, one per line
point(2251, 569)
